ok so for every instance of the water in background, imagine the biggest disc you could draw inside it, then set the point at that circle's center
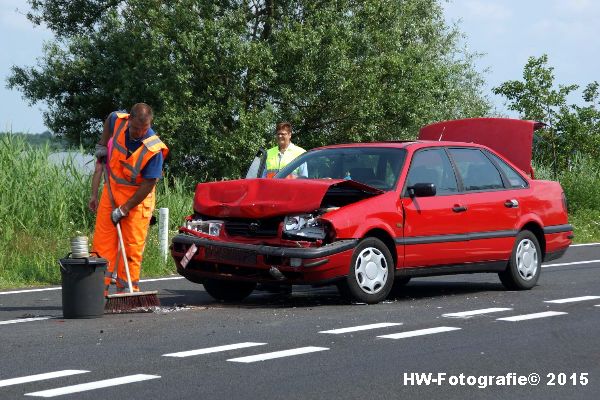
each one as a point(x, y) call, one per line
point(85, 163)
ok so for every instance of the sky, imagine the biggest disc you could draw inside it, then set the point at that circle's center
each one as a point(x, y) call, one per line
point(505, 32)
point(508, 32)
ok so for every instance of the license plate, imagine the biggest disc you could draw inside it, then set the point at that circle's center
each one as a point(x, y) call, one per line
point(226, 255)
point(188, 255)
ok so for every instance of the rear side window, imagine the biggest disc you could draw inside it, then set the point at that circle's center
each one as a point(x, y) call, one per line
point(433, 166)
point(476, 170)
point(514, 179)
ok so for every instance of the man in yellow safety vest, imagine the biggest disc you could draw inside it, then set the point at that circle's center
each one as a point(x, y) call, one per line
point(285, 151)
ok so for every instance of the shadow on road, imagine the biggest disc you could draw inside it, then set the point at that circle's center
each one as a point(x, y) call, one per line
point(422, 289)
point(306, 296)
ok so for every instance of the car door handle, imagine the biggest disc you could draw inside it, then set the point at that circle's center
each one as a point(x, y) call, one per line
point(511, 203)
point(458, 208)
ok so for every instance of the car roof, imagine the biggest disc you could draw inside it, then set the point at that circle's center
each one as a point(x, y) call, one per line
point(391, 144)
point(510, 138)
point(401, 144)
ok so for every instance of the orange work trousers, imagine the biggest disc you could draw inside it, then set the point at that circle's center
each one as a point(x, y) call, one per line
point(134, 228)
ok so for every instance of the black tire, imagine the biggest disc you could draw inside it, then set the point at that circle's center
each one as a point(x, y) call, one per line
point(371, 273)
point(525, 263)
point(228, 290)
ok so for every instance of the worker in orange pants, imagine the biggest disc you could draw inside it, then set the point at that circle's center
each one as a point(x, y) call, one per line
point(135, 161)
point(134, 229)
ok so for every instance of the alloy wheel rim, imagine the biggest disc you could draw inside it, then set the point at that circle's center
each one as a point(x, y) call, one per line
point(527, 259)
point(370, 270)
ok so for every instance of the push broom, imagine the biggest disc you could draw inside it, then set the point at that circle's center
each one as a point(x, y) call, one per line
point(132, 301)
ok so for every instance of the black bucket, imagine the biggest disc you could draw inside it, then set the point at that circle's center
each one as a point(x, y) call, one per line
point(82, 286)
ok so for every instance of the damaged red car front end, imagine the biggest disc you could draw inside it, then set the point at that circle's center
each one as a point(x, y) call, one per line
point(243, 230)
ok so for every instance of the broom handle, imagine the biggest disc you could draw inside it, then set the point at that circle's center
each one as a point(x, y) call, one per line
point(121, 245)
point(124, 257)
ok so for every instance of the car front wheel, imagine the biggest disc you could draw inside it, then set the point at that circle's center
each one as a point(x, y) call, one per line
point(228, 290)
point(525, 264)
point(371, 273)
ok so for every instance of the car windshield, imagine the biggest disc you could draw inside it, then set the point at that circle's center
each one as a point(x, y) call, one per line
point(378, 167)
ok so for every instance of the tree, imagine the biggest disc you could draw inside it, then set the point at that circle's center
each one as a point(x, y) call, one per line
point(587, 121)
point(220, 74)
point(570, 129)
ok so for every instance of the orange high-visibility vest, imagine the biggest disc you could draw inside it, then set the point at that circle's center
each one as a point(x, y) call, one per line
point(126, 171)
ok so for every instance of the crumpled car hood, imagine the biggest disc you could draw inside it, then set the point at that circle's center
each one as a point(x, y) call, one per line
point(264, 198)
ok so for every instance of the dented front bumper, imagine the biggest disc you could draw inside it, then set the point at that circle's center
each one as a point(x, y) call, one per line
point(252, 262)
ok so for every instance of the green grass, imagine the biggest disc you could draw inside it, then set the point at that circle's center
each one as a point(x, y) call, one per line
point(43, 205)
point(586, 225)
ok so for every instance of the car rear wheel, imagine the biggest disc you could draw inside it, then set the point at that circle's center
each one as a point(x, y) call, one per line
point(525, 264)
point(228, 290)
point(371, 273)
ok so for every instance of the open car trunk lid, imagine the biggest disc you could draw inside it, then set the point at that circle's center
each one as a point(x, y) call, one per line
point(264, 198)
point(512, 138)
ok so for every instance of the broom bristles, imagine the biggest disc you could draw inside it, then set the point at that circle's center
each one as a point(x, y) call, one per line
point(131, 302)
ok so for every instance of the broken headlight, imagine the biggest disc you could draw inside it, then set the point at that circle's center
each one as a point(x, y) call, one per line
point(304, 226)
point(211, 227)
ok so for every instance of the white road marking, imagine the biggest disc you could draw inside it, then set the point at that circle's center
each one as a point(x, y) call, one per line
point(278, 354)
point(572, 299)
point(41, 377)
point(361, 328)
point(216, 349)
point(93, 385)
point(467, 314)
point(16, 321)
point(532, 316)
point(31, 290)
point(170, 278)
point(584, 244)
point(419, 332)
point(571, 263)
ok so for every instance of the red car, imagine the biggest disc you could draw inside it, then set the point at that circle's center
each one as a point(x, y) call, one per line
point(368, 216)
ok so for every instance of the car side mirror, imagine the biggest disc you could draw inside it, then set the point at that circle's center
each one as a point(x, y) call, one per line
point(257, 167)
point(421, 190)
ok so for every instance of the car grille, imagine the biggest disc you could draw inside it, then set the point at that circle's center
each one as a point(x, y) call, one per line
point(253, 227)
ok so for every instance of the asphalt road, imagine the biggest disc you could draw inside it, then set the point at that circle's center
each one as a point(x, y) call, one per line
point(277, 347)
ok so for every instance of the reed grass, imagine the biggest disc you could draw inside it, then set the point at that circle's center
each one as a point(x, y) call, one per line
point(42, 205)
